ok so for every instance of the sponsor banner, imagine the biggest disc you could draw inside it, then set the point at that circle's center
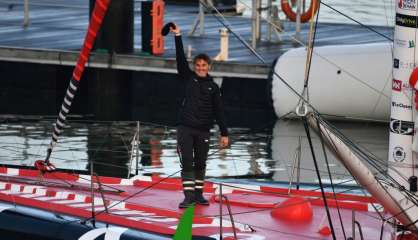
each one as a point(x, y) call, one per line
point(401, 127)
point(403, 43)
point(407, 4)
point(401, 105)
point(406, 20)
point(398, 154)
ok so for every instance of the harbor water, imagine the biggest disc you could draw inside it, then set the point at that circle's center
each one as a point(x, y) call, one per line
point(378, 13)
point(269, 154)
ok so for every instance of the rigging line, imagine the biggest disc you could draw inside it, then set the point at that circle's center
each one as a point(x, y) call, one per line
point(386, 12)
point(133, 195)
point(355, 148)
point(389, 79)
point(349, 142)
point(402, 212)
point(330, 178)
point(334, 146)
point(105, 185)
point(142, 190)
point(356, 21)
point(317, 54)
point(226, 24)
point(308, 135)
point(311, 48)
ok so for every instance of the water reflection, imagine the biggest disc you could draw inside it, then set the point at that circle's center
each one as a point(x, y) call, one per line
point(290, 144)
point(269, 154)
point(108, 147)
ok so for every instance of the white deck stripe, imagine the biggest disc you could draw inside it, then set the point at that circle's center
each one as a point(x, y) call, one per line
point(49, 198)
point(15, 188)
point(153, 219)
point(84, 179)
point(80, 205)
point(29, 189)
point(99, 208)
point(12, 171)
point(98, 201)
point(68, 201)
point(8, 192)
point(119, 206)
point(32, 195)
point(128, 212)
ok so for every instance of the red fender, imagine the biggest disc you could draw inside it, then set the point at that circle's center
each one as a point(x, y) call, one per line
point(305, 16)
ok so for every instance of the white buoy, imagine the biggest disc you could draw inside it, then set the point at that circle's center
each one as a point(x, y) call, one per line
point(351, 81)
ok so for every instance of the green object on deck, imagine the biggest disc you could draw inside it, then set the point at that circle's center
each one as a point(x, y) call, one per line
point(184, 228)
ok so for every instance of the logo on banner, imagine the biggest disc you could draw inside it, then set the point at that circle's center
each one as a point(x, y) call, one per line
point(406, 20)
point(405, 43)
point(397, 85)
point(398, 64)
point(407, 4)
point(401, 105)
point(398, 154)
point(401, 127)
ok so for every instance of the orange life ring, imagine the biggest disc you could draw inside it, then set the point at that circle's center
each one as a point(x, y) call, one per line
point(305, 16)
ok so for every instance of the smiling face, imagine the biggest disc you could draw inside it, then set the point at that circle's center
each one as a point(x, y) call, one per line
point(201, 67)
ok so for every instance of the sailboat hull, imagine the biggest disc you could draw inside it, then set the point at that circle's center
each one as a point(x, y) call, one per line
point(150, 205)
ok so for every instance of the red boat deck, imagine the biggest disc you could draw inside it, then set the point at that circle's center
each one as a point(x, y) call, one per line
point(151, 204)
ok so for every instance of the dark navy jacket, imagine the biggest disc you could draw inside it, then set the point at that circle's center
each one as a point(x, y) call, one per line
point(201, 101)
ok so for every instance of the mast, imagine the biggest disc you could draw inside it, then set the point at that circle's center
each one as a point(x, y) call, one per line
point(96, 20)
point(401, 159)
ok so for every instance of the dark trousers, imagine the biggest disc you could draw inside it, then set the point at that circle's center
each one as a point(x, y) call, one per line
point(193, 147)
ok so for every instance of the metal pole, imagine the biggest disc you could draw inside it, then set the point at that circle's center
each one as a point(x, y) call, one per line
point(258, 19)
point(220, 211)
point(93, 215)
point(202, 19)
point(292, 174)
point(298, 169)
point(137, 148)
point(353, 224)
point(26, 20)
point(298, 22)
point(254, 24)
point(269, 19)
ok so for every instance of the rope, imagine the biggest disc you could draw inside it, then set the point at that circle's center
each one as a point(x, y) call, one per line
point(308, 135)
point(356, 21)
point(330, 178)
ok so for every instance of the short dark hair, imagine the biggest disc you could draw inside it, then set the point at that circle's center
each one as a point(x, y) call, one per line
point(204, 57)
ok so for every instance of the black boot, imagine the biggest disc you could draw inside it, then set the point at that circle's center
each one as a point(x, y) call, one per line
point(188, 199)
point(199, 199)
point(199, 183)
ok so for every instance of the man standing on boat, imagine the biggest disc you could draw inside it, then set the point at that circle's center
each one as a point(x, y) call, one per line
point(201, 105)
